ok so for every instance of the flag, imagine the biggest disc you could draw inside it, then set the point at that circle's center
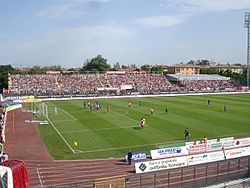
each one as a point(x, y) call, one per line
point(1, 98)
point(75, 143)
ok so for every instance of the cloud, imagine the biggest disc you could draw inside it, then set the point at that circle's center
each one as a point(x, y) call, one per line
point(199, 6)
point(186, 8)
point(54, 12)
point(70, 10)
point(87, 1)
point(160, 21)
point(216, 5)
point(88, 35)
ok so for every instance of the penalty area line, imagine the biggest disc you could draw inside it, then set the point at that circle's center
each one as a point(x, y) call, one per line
point(69, 114)
point(125, 115)
point(61, 136)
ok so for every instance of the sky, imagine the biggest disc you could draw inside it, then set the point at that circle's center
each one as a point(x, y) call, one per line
point(67, 32)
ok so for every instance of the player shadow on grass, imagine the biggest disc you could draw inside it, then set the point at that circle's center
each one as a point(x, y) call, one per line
point(137, 128)
point(164, 114)
point(179, 139)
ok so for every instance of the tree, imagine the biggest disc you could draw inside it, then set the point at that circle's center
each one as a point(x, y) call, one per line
point(124, 66)
point(233, 75)
point(96, 64)
point(117, 66)
point(133, 66)
point(4, 71)
point(157, 69)
point(42, 70)
point(226, 73)
point(145, 67)
point(210, 70)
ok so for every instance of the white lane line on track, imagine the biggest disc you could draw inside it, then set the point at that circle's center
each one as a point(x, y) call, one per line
point(39, 177)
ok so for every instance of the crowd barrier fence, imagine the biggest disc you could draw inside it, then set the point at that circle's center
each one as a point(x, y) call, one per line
point(193, 176)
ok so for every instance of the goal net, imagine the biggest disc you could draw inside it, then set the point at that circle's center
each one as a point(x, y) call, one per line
point(40, 109)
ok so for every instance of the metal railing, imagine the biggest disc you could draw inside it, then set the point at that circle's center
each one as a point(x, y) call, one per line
point(193, 176)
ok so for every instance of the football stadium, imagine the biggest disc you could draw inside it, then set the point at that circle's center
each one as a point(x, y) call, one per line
point(127, 129)
point(167, 107)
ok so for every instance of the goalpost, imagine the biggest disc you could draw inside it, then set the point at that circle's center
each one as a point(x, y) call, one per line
point(40, 109)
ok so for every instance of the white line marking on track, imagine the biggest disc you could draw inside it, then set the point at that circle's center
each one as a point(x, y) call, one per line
point(41, 183)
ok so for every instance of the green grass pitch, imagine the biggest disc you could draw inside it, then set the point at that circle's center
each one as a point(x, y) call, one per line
point(101, 134)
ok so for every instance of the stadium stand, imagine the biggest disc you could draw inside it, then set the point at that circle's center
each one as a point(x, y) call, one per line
point(88, 84)
point(116, 84)
point(2, 130)
point(124, 84)
point(203, 83)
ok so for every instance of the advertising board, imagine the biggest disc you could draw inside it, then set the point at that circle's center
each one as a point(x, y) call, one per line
point(137, 156)
point(237, 152)
point(198, 148)
point(169, 152)
point(216, 146)
point(161, 164)
point(242, 142)
point(205, 158)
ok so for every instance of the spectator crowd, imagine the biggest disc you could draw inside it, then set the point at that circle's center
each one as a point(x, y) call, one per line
point(102, 84)
point(3, 156)
point(206, 85)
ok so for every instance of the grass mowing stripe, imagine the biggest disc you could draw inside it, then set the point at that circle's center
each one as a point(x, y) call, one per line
point(61, 135)
point(68, 114)
point(101, 130)
point(89, 130)
point(118, 148)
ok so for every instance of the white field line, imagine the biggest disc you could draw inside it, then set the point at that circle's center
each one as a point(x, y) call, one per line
point(68, 114)
point(135, 146)
point(61, 121)
point(125, 147)
point(61, 136)
point(41, 183)
point(125, 115)
point(90, 130)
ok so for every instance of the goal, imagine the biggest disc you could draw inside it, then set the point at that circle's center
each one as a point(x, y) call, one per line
point(40, 109)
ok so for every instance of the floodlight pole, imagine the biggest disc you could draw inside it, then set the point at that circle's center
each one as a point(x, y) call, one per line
point(247, 25)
